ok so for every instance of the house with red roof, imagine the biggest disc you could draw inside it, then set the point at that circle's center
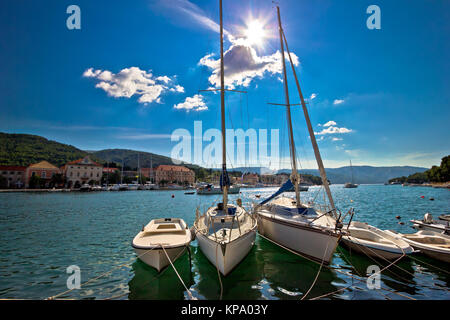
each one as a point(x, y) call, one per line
point(82, 171)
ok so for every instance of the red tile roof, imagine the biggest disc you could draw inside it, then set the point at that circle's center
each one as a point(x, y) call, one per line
point(12, 168)
point(80, 162)
point(166, 167)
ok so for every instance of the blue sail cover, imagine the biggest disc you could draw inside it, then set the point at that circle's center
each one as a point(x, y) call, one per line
point(224, 179)
point(287, 186)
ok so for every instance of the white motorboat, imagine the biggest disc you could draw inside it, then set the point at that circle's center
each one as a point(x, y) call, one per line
point(225, 232)
point(441, 225)
point(96, 188)
point(366, 239)
point(85, 187)
point(133, 186)
point(430, 243)
point(169, 234)
point(210, 189)
point(225, 239)
point(151, 186)
point(289, 222)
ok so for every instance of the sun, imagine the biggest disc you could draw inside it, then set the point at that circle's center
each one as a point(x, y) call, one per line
point(255, 33)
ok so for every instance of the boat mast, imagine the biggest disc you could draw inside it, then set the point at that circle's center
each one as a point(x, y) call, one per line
point(351, 169)
point(294, 174)
point(323, 174)
point(222, 108)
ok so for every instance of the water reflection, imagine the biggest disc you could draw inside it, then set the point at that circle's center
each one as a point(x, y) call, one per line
point(147, 283)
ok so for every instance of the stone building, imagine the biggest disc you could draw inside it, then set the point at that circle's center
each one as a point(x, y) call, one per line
point(174, 174)
point(82, 171)
point(14, 176)
point(44, 170)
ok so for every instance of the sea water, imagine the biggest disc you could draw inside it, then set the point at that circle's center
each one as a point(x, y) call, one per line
point(42, 234)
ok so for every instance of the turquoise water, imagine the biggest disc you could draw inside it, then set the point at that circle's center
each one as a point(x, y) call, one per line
point(44, 233)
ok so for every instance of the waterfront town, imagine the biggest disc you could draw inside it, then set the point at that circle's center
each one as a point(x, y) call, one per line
point(84, 171)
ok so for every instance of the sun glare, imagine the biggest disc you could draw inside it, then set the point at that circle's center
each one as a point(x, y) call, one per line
point(255, 32)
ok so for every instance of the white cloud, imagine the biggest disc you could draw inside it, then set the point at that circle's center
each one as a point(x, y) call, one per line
point(133, 81)
point(329, 123)
point(313, 96)
point(194, 103)
point(192, 12)
point(333, 130)
point(338, 101)
point(242, 64)
point(336, 139)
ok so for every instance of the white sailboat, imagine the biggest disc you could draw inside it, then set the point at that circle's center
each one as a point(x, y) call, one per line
point(226, 232)
point(289, 222)
point(351, 184)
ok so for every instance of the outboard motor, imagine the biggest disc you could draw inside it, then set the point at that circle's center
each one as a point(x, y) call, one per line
point(428, 218)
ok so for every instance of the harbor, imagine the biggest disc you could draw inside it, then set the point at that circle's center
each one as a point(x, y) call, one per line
point(301, 180)
point(70, 228)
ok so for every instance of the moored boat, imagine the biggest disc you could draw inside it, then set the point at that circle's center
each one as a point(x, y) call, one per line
point(210, 189)
point(427, 223)
point(433, 244)
point(287, 221)
point(169, 234)
point(369, 240)
point(225, 232)
point(225, 238)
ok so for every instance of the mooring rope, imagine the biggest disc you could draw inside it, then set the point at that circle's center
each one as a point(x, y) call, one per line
point(218, 274)
point(318, 272)
point(179, 277)
point(332, 268)
point(100, 276)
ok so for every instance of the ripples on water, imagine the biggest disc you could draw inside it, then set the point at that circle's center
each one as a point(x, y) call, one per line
point(44, 233)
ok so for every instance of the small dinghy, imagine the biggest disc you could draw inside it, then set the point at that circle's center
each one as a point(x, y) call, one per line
point(367, 239)
point(430, 243)
point(169, 234)
point(441, 225)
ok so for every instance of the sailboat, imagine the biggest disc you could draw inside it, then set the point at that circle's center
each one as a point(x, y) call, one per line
point(351, 184)
point(225, 232)
point(288, 222)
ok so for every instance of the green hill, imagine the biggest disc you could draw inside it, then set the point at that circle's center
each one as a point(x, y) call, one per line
point(25, 149)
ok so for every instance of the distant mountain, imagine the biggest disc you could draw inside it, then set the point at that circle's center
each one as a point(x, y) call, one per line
point(363, 174)
point(25, 149)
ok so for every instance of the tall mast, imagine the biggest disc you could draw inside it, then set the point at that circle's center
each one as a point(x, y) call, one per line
point(323, 174)
point(294, 174)
point(222, 108)
point(351, 169)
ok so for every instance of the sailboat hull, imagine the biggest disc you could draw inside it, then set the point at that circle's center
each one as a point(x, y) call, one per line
point(313, 243)
point(231, 255)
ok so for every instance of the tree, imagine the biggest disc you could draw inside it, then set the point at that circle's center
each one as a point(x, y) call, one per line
point(3, 182)
point(36, 182)
point(57, 180)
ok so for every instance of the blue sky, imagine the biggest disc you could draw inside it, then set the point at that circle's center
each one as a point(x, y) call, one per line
point(128, 78)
